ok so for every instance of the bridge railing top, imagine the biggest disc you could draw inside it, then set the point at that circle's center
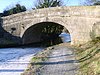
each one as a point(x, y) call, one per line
point(66, 11)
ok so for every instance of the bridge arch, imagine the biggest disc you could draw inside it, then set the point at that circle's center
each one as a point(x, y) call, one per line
point(37, 32)
point(79, 24)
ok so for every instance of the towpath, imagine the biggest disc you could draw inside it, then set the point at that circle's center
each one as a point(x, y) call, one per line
point(61, 62)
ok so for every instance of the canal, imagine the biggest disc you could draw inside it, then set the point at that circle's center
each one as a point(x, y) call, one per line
point(13, 61)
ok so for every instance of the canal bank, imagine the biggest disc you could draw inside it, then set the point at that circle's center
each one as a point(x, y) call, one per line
point(54, 60)
point(88, 56)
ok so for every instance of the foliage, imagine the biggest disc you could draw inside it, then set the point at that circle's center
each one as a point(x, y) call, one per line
point(48, 3)
point(91, 2)
point(50, 34)
point(89, 58)
point(17, 9)
point(1, 14)
point(97, 3)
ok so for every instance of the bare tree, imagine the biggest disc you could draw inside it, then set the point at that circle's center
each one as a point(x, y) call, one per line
point(48, 3)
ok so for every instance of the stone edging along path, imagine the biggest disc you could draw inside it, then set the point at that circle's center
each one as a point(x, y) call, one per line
point(55, 60)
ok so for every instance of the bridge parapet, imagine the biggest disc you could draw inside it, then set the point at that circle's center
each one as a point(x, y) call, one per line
point(77, 11)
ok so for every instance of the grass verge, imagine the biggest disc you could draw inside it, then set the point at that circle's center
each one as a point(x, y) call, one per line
point(88, 56)
point(36, 61)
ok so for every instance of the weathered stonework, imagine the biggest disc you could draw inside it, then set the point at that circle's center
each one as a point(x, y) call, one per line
point(79, 20)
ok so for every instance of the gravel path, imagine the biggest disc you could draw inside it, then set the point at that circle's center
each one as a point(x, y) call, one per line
point(61, 62)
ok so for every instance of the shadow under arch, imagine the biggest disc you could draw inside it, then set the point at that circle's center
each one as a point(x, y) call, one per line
point(43, 33)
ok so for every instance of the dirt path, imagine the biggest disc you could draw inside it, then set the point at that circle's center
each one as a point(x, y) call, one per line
point(61, 62)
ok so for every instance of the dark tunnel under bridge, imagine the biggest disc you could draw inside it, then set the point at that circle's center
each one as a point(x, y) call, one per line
point(44, 33)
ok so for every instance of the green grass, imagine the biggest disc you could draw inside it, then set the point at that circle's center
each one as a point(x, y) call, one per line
point(39, 58)
point(89, 57)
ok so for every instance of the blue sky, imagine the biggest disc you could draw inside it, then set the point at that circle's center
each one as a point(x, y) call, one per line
point(5, 4)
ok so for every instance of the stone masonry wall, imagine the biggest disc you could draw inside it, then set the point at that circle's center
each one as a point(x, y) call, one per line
point(79, 20)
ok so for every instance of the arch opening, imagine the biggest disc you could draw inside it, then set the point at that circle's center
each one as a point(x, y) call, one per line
point(45, 34)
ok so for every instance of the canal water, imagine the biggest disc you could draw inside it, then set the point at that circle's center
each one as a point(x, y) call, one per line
point(65, 37)
point(13, 61)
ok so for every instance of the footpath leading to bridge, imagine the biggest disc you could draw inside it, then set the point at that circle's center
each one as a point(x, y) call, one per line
point(61, 61)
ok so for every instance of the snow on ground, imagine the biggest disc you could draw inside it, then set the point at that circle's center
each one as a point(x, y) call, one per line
point(13, 61)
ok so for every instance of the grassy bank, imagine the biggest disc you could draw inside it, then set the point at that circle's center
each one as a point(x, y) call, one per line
point(36, 60)
point(89, 58)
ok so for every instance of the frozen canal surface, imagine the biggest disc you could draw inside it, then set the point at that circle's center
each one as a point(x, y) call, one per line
point(13, 61)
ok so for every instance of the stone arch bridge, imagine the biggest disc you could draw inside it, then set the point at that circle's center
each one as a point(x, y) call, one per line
point(83, 22)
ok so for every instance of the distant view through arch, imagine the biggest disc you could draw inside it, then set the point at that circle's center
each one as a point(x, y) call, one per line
point(46, 34)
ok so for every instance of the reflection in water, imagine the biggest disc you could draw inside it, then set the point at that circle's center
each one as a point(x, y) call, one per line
point(65, 37)
point(13, 61)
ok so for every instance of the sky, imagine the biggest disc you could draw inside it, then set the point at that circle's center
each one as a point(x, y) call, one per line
point(6, 4)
